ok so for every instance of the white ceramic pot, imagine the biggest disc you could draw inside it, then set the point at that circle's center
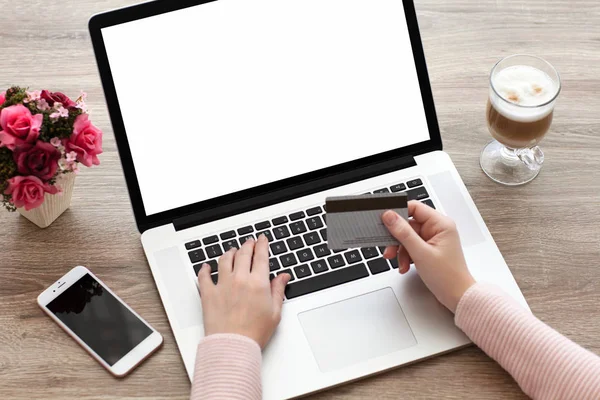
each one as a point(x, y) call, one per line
point(54, 204)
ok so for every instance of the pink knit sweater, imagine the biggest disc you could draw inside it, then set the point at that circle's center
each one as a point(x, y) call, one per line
point(545, 364)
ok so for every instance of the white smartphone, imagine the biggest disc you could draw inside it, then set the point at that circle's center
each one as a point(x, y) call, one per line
point(115, 335)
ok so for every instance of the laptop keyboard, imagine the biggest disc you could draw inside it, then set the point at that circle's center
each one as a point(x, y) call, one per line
point(298, 246)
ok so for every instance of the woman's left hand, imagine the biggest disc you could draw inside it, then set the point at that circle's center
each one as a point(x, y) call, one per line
point(243, 301)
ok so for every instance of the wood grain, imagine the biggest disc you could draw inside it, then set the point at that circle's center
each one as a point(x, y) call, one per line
point(547, 230)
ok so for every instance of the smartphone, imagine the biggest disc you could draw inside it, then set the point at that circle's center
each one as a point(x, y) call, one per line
point(107, 328)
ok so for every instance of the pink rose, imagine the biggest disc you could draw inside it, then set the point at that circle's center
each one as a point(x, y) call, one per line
point(28, 191)
point(19, 126)
point(40, 160)
point(2, 98)
point(57, 97)
point(85, 141)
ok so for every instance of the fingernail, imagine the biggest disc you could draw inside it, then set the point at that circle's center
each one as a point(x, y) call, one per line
point(389, 217)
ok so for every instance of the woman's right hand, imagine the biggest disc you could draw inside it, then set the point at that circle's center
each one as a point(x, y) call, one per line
point(431, 240)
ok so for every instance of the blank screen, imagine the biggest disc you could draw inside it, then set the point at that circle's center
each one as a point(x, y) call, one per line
point(99, 319)
point(234, 94)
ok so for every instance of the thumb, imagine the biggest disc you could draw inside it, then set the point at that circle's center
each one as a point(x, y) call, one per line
point(406, 235)
point(278, 291)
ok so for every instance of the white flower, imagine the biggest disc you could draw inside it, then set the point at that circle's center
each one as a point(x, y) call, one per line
point(32, 96)
point(43, 105)
point(55, 142)
point(60, 112)
point(62, 164)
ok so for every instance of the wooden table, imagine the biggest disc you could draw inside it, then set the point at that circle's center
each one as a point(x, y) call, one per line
point(548, 230)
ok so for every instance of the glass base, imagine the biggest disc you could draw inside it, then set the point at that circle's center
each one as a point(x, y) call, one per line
point(503, 165)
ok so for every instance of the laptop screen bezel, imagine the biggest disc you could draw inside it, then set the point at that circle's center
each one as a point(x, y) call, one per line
point(144, 221)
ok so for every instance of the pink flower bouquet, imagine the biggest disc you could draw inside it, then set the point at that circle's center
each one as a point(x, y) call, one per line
point(42, 135)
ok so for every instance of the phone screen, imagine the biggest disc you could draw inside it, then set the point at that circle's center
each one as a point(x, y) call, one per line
point(99, 319)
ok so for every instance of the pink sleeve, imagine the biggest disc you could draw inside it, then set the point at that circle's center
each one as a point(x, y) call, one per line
point(545, 364)
point(227, 367)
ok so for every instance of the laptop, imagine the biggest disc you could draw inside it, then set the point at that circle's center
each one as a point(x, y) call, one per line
point(235, 118)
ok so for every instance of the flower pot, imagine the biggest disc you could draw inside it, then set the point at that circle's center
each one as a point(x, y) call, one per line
point(54, 204)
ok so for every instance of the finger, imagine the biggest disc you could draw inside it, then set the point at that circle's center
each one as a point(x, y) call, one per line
point(242, 261)
point(226, 264)
point(260, 261)
point(401, 230)
point(205, 283)
point(416, 225)
point(403, 260)
point(278, 291)
point(422, 212)
point(390, 252)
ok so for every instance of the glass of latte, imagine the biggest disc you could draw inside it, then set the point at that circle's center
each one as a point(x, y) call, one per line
point(520, 107)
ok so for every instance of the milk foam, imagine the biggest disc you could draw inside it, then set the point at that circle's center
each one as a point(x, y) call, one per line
point(523, 86)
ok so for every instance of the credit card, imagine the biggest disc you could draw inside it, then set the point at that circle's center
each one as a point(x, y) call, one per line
point(355, 221)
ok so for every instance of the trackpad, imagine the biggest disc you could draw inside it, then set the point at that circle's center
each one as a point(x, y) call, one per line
point(356, 330)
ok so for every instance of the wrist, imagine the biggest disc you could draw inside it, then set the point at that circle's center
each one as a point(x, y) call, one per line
point(461, 289)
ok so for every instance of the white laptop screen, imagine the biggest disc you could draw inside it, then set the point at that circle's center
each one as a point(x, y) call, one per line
point(234, 94)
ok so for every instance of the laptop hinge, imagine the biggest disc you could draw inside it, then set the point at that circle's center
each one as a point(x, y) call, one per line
point(293, 192)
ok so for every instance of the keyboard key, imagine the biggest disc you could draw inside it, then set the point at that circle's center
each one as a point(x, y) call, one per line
point(287, 271)
point(314, 211)
point(214, 251)
point(271, 277)
point(314, 223)
point(353, 256)
point(274, 264)
point(210, 240)
point(193, 245)
point(336, 261)
point(378, 266)
point(302, 271)
point(325, 207)
point(197, 268)
point(369, 252)
point(394, 262)
point(297, 215)
point(262, 225)
point(215, 278)
point(214, 266)
point(245, 230)
point(295, 243)
point(280, 220)
point(288, 260)
point(429, 203)
point(384, 190)
point(281, 232)
point(312, 238)
point(227, 235)
point(322, 250)
point(417, 194)
point(197, 256)
point(268, 234)
point(401, 187)
point(324, 234)
point(326, 281)
point(298, 227)
point(228, 244)
point(305, 255)
point(244, 239)
point(414, 183)
point(319, 266)
point(278, 248)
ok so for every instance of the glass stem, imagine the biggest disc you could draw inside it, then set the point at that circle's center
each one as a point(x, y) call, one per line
point(509, 153)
